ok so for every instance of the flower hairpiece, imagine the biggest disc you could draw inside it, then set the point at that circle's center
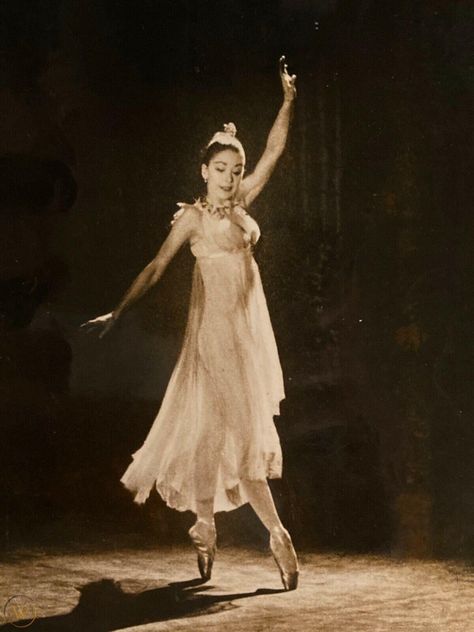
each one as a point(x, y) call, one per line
point(228, 137)
point(229, 128)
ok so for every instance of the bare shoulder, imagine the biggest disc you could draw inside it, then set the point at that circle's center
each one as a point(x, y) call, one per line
point(187, 215)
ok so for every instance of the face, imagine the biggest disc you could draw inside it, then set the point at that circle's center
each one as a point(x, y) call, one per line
point(223, 175)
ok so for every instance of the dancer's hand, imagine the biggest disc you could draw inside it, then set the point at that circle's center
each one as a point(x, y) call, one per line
point(287, 81)
point(103, 323)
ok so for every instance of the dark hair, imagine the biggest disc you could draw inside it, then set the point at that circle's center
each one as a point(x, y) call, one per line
point(208, 153)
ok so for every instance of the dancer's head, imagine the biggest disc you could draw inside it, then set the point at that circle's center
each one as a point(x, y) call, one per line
point(223, 165)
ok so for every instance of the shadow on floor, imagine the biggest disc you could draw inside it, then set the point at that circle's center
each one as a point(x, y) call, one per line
point(103, 606)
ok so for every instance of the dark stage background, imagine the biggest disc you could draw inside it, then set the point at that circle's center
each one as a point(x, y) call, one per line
point(366, 258)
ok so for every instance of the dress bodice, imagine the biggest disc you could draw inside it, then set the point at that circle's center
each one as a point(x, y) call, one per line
point(222, 230)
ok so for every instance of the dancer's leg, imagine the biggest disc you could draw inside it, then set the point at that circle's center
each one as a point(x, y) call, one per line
point(261, 500)
point(205, 510)
point(203, 536)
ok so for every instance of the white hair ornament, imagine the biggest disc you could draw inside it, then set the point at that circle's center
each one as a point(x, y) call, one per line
point(228, 137)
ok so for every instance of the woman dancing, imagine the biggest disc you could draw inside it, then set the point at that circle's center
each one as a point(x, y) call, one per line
point(213, 444)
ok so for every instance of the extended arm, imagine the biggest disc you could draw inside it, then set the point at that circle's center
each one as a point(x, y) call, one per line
point(182, 230)
point(254, 183)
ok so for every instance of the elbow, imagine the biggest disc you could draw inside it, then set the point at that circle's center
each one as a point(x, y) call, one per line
point(149, 274)
point(154, 276)
point(154, 270)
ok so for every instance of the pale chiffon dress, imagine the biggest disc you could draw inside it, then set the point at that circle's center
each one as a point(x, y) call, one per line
point(215, 426)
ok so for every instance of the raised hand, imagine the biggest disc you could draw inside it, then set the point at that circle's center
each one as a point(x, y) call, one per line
point(103, 323)
point(287, 81)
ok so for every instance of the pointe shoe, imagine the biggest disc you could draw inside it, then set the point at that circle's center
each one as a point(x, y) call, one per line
point(203, 537)
point(282, 548)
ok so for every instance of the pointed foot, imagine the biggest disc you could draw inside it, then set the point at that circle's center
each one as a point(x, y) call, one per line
point(285, 557)
point(203, 537)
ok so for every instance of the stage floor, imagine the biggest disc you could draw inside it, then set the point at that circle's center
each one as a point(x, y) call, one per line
point(154, 592)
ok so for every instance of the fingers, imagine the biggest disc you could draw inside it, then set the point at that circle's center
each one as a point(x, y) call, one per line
point(87, 326)
point(285, 76)
point(106, 329)
point(93, 325)
point(288, 81)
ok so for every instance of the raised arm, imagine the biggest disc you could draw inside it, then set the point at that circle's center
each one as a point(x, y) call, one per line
point(182, 230)
point(253, 184)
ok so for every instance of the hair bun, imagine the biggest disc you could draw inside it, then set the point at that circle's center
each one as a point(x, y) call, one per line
point(229, 128)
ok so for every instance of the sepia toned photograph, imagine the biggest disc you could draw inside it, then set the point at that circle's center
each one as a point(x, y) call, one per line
point(236, 315)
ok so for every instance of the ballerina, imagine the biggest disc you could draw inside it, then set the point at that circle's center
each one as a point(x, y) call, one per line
point(213, 443)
